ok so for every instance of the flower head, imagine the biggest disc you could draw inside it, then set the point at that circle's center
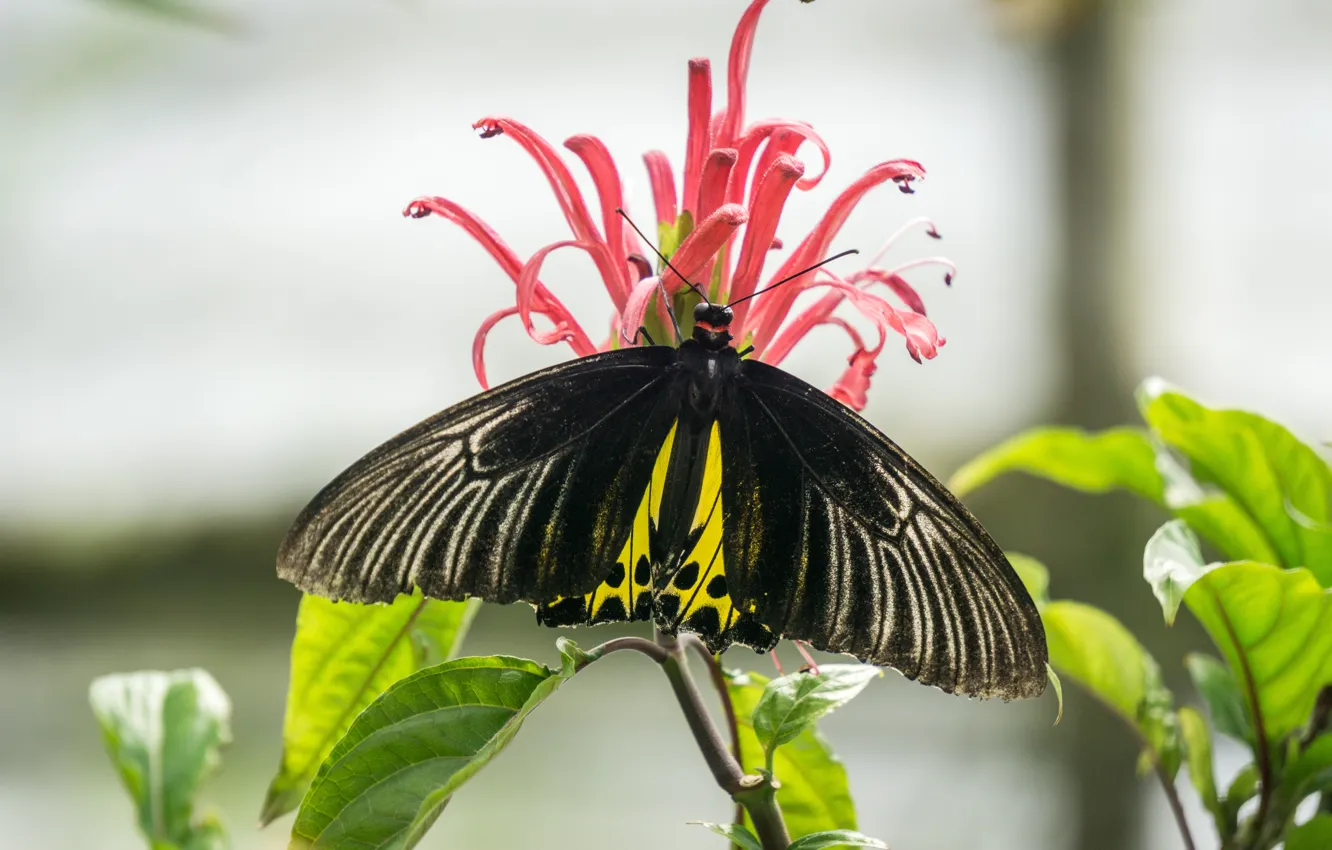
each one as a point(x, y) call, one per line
point(716, 231)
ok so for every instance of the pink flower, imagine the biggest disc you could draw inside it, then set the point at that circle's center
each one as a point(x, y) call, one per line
point(717, 232)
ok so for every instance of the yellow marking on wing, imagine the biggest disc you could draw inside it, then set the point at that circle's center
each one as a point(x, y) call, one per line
point(699, 584)
point(631, 577)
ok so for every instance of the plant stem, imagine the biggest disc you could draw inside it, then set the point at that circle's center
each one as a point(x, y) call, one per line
point(1172, 797)
point(757, 793)
point(637, 644)
point(724, 694)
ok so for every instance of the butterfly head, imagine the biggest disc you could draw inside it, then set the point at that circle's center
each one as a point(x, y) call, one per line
point(712, 324)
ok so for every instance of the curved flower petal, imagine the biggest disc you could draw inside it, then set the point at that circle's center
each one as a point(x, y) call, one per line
point(770, 196)
point(896, 283)
point(922, 338)
point(700, 247)
point(566, 326)
point(636, 307)
point(606, 178)
point(767, 315)
point(788, 135)
point(699, 139)
point(567, 193)
point(796, 329)
point(851, 388)
point(663, 186)
point(479, 343)
point(542, 299)
point(737, 70)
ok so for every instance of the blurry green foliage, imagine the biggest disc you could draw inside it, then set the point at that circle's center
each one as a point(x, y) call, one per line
point(164, 732)
point(1263, 499)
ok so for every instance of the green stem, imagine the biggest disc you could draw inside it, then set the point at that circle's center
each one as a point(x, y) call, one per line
point(756, 792)
point(724, 694)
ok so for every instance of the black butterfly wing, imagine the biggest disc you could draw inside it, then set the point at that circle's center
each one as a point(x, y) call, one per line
point(521, 493)
point(839, 538)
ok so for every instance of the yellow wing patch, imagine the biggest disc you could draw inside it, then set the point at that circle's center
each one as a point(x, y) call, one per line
point(626, 592)
point(692, 595)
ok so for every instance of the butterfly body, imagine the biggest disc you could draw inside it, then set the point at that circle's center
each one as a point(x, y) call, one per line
point(688, 486)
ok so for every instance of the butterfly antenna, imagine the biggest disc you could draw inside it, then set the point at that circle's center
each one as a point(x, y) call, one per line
point(692, 286)
point(846, 253)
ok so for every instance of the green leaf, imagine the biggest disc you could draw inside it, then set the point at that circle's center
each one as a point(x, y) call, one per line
point(1221, 521)
point(1279, 481)
point(814, 795)
point(1058, 687)
point(343, 656)
point(1100, 654)
point(1198, 750)
point(386, 781)
point(1171, 562)
point(164, 732)
point(789, 705)
point(1225, 702)
point(1274, 628)
point(1308, 773)
point(738, 834)
point(836, 838)
point(1315, 834)
point(1034, 576)
point(1120, 458)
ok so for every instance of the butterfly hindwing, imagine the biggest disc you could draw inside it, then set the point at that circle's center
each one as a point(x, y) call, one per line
point(626, 591)
point(690, 585)
point(525, 492)
point(837, 537)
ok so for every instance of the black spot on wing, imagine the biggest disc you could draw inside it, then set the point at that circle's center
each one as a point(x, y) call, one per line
point(717, 587)
point(611, 611)
point(687, 577)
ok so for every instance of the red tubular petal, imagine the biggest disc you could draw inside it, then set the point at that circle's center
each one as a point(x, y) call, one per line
point(566, 191)
point(607, 180)
point(796, 329)
point(701, 246)
point(896, 283)
point(852, 387)
point(922, 339)
point(663, 186)
point(481, 232)
point(772, 307)
point(566, 326)
point(557, 173)
point(764, 213)
point(737, 70)
point(636, 305)
point(782, 142)
point(712, 182)
point(479, 343)
point(748, 147)
point(699, 139)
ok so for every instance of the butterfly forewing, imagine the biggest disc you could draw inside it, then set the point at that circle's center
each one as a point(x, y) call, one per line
point(523, 492)
point(837, 537)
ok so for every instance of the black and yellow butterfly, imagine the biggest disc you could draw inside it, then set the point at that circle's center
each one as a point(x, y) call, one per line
point(691, 487)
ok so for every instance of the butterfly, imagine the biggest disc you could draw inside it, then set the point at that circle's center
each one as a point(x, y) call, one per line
point(691, 487)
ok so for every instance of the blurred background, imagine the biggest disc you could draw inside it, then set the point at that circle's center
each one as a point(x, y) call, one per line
point(209, 305)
